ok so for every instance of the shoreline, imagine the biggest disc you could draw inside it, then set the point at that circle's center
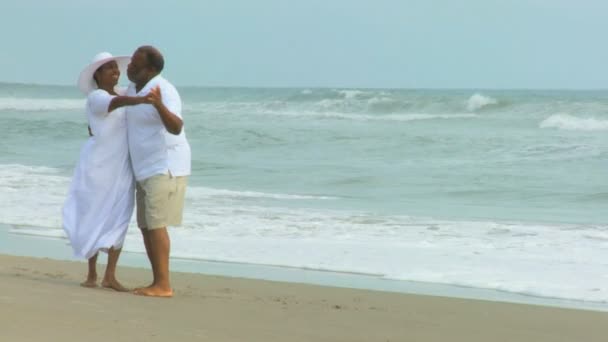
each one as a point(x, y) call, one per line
point(23, 245)
point(42, 300)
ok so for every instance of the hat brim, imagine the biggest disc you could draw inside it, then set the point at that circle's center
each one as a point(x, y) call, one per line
point(87, 84)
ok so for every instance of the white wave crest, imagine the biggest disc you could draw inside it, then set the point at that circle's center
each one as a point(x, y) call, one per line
point(389, 117)
point(32, 195)
point(478, 101)
point(215, 193)
point(230, 228)
point(573, 123)
point(35, 105)
point(415, 117)
point(328, 104)
point(381, 100)
point(351, 94)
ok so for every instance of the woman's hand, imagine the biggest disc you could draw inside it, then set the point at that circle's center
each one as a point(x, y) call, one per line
point(153, 97)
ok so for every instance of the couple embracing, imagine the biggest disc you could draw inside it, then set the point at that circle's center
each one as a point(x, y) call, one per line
point(137, 152)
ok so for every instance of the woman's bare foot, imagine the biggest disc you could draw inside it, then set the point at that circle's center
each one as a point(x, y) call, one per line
point(90, 282)
point(153, 291)
point(114, 285)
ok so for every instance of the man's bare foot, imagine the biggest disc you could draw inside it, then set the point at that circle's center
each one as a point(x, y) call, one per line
point(142, 287)
point(114, 285)
point(89, 283)
point(153, 291)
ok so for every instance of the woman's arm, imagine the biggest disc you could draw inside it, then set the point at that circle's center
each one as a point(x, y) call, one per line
point(121, 101)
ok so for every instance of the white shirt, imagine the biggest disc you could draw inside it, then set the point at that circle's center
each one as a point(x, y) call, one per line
point(153, 149)
point(98, 102)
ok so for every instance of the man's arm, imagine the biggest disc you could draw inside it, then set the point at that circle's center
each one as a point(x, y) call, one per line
point(172, 122)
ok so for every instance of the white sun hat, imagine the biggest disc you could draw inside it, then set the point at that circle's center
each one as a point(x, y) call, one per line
point(86, 83)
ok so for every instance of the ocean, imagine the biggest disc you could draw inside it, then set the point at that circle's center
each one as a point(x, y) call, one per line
point(488, 189)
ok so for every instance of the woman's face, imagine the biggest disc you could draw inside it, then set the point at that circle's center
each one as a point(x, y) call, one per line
point(107, 75)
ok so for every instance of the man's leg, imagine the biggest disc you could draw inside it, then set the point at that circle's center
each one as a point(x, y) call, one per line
point(92, 274)
point(156, 204)
point(109, 279)
point(159, 246)
point(145, 234)
point(140, 197)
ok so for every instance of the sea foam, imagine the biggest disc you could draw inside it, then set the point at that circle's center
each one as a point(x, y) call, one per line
point(478, 101)
point(232, 226)
point(574, 123)
point(37, 104)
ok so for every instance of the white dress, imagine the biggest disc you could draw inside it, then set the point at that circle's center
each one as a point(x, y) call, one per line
point(100, 201)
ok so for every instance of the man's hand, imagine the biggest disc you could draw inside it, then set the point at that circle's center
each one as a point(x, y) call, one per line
point(172, 122)
point(154, 97)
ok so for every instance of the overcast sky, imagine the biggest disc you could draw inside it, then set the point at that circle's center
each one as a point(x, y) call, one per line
point(326, 43)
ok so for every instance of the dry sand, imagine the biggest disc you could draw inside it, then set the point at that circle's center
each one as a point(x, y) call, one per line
point(42, 301)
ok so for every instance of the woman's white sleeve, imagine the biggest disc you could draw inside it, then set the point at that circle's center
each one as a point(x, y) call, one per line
point(99, 102)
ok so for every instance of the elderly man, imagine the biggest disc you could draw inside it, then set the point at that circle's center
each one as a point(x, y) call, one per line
point(160, 155)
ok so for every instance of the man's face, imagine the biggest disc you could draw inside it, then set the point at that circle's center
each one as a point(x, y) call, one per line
point(138, 69)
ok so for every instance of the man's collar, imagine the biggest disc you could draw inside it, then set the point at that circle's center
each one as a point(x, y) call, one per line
point(151, 84)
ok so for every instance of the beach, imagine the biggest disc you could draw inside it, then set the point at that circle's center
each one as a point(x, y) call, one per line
point(42, 300)
point(329, 215)
point(356, 171)
point(480, 189)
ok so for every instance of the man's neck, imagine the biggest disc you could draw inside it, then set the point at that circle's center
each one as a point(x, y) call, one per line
point(139, 86)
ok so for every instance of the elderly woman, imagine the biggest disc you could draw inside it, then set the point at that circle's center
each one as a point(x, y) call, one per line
point(100, 202)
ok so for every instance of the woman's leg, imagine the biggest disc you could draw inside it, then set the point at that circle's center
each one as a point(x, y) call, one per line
point(92, 275)
point(109, 279)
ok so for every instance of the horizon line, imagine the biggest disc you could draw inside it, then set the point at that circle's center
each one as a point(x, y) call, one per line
point(331, 87)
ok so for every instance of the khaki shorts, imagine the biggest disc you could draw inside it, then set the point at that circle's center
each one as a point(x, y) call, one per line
point(160, 201)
